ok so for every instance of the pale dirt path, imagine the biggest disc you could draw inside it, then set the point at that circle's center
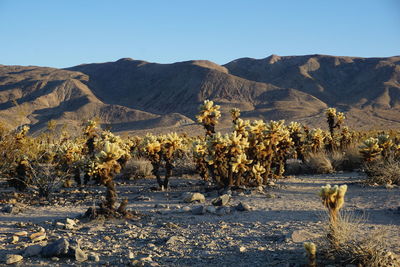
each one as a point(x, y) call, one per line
point(271, 234)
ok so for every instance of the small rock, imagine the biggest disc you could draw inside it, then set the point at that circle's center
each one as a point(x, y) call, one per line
point(161, 206)
point(242, 249)
point(60, 225)
point(57, 248)
point(185, 209)
point(131, 255)
point(70, 221)
point(13, 258)
point(221, 200)
point(199, 210)
point(36, 237)
point(80, 255)
point(14, 239)
point(243, 207)
point(300, 236)
point(21, 233)
point(174, 239)
point(223, 210)
point(171, 225)
point(94, 257)
point(269, 195)
point(33, 250)
point(193, 197)
point(10, 209)
point(211, 209)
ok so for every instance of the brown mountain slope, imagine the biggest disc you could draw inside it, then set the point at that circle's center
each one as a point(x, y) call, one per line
point(130, 95)
point(43, 94)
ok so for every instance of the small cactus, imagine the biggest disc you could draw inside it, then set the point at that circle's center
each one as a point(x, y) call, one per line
point(311, 250)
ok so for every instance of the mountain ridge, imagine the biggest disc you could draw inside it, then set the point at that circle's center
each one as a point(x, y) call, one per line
point(130, 95)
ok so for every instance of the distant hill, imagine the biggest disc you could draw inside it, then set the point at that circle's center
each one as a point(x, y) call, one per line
point(133, 95)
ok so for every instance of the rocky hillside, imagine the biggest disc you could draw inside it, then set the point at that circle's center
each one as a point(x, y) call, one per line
point(130, 95)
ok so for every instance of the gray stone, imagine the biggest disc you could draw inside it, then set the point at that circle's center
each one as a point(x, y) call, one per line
point(193, 197)
point(33, 250)
point(174, 239)
point(221, 200)
point(223, 210)
point(57, 248)
point(211, 209)
point(243, 207)
point(10, 209)
point(185, 209)
point(13, 258)
point(199, 210)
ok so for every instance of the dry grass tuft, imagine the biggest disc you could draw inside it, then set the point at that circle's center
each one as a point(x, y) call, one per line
point(383, 171)
point(137, 168)
point(356, 247)
point(318, 163)
point(347, 160)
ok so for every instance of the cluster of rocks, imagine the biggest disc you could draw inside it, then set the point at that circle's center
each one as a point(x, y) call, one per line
point(219, 204)
point(40, 247)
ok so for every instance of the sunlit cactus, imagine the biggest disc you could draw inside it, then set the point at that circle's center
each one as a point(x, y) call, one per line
point(208, 116)
point(162, 151)
point(311, 250)
point(333, 200)
point(370, 149)
point(258, 170)
point(335, 119)
point(235, 114)
point(298, 137)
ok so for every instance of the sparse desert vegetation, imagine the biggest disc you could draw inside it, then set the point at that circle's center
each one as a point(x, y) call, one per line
point(245, 197)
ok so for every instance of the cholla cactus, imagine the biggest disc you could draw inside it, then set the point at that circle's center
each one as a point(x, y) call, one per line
point(316, 139)
point(333, 199)
point(370, 149)
point(209, 115)
point(235, 113)
point(311, 250)
point(162, 149)
point(334, 119)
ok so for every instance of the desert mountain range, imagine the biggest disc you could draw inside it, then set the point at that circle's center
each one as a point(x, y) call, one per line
point(133, 95)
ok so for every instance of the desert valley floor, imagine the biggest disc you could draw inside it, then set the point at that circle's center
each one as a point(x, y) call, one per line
point(170, 232)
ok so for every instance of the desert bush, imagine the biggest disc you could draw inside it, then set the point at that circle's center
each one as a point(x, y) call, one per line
point(137, 167)
point(318, 163)
point(384, 171)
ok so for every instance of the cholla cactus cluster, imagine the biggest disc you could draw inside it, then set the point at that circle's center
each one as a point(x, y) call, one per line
point(252, 154)
point(162, 151)
point(380, 146)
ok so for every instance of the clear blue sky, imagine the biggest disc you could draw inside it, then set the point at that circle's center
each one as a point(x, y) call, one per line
point(65, 33)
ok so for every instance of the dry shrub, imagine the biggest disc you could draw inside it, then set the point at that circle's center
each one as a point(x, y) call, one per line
point(295, 167)
point(357, 247)
point(318, 163)
point(137, 168)
point(348, 160)
point(383, 171)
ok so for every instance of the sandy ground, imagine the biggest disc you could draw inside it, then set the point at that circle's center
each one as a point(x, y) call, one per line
point(169, 234)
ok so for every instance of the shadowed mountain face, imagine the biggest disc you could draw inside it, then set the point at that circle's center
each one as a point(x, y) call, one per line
point(132, 95)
